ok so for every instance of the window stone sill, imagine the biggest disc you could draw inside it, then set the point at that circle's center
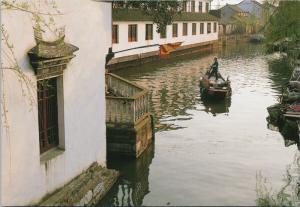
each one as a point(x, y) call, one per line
point(51, 154)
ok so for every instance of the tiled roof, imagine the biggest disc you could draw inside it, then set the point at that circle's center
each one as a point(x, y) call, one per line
point(235, 8)
point(138, 15)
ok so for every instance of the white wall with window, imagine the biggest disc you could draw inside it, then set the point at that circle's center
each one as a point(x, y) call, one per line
point(153, 44)
point(30, 170)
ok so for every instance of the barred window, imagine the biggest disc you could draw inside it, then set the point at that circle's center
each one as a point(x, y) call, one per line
point(194, 29)
point(184, 29)
point(132, 33)
point(115, 34)
point(201, 28)
point(175, 30)
point(184, 6)
point(47, 114)
point(193, 6)
point(215, 27)
point(149, 32)
point(200, 7)
point(207, 7)
point(208, 28)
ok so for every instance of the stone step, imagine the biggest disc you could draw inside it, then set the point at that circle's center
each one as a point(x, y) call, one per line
point(86, 189)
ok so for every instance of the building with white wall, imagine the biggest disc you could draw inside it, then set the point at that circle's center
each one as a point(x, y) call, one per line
point(52, 124)
point(134, 33)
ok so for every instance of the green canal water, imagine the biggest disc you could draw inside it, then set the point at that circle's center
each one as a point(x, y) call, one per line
point(208, 153)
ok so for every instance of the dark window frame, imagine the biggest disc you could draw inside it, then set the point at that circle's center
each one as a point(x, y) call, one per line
point(194, 28)
point(48, 114)
point(207, 7)
point(193, 6)
point(115, 34)
point(185, 28)
point(208, 28)
point(215, 27)
point(132, 33)
point(175, 30)
point(200, 7)
point(184, 6)
point(201, 28)
point(149, 32)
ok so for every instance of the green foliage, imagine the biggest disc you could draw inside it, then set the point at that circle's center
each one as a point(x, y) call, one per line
point(161, 11)
point(288, 195)
point(284, 24)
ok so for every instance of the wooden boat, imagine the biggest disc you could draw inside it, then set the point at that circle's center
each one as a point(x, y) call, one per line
point(291, 93)
point(218, 89)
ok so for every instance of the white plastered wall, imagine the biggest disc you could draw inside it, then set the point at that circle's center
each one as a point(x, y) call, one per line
point(24, 178)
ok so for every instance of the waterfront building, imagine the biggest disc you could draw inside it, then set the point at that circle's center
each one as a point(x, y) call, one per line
point(262, 12)
point(233, 20)
point(52, 103)
point(136, 36)
point(257, 9)
point(253, 7)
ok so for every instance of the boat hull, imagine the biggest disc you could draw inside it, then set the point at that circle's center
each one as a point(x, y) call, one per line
point(214, 91)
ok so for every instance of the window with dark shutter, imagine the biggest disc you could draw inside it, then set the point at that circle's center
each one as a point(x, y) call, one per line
point(149, 32)
point(194, 29)
point(115, 34)
point(200, 7)
point(193, 6)
point(207, 7)
point(215, 27)
point(132, 33)
point(208, 28)
point(184, 6)
point(175, 30)
point(184, 29)
point(201, 28)
point(47, 114)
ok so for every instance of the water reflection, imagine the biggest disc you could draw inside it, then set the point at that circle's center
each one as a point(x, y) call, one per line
point(280, 72)
point(133, 184)
point(289, 131)
point(174, 88)
point(216, 107)
point(242, 49)
point(217, 148)
point(174, 83)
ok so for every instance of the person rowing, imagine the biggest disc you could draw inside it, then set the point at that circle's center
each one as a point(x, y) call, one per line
point(214, 70)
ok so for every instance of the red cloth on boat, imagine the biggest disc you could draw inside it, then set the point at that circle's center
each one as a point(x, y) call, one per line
point(165, 49)
point(295, 107)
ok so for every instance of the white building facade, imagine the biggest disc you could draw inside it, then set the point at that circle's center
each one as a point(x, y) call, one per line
point(30, 169)
point(134, 33)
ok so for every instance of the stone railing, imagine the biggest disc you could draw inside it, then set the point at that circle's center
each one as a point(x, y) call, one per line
point(126, 102)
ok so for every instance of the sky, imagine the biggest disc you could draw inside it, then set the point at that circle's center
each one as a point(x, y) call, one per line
point(214, 3)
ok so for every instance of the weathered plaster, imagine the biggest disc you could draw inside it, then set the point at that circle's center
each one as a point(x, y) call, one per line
point(24, 178)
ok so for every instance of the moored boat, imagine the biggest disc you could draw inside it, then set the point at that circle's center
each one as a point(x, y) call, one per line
point(291, 94)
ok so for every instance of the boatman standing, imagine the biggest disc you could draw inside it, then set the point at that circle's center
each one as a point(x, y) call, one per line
point(214, 70)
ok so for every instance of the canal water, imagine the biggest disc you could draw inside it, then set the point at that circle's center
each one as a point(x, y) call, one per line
point(208, 153)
